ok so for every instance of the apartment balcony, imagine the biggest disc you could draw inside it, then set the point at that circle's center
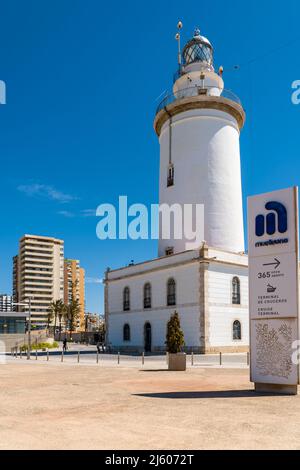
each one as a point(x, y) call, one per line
point(44, 282)
point(37, 287)
point(47, 250)
point(38, 270)
point(36, 262)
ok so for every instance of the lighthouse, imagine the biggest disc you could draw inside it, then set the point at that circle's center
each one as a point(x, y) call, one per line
point(204, 280)
point(198, 126)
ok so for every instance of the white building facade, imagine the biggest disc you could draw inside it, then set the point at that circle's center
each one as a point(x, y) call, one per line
point(198, 127)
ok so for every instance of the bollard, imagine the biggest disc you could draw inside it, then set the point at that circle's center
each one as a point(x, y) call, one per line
point(192, 358)
point(143, 358)
point(220, 358)
point(97, 357)
point(78, 356)
point(47, 355)
point(248, 358)
point(62, 356)
point(118, 358)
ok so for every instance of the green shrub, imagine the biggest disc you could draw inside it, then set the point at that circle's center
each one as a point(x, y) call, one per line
point(174, 337)
point(36, 346)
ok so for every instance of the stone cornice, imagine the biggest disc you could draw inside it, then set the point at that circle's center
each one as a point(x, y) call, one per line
point(174, 265)
point(199, 102)
point(154, 309)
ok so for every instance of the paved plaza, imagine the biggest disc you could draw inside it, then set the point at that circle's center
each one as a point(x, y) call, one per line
point(54, 405)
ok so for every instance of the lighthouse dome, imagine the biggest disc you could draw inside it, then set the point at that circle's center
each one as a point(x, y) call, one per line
point(198, 49)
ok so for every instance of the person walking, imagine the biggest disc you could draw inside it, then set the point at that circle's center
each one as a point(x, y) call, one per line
point(98, 347)
point(64, 344)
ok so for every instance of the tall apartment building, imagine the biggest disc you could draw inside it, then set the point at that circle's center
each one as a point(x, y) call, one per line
point(74, 286)
point(6, 303)
point(15, 281)
point(39, 273)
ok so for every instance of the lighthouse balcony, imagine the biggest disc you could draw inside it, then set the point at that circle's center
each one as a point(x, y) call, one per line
point(198, 97)
point(198, 91)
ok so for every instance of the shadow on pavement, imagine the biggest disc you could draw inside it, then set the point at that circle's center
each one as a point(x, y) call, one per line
point(207, 394)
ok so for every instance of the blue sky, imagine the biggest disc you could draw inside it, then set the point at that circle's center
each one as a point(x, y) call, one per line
point(83, 77)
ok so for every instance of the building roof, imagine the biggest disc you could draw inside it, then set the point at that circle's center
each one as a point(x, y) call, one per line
point(14, 314)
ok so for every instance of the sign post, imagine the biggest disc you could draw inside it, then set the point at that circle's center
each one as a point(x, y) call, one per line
point(274, 290)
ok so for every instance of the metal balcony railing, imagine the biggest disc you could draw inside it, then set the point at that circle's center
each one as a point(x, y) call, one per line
point(198, 91)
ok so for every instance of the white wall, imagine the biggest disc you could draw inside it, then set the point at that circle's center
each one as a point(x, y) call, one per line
point(187, 305)
point(222, 313)
point(189, 318)
point(206, 158)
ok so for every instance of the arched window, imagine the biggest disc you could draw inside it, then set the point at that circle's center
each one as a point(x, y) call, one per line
point(171, 292)
point(236, 291)
point(126, 332)
point(147, 295)
point(126, 299)
point(237, 330)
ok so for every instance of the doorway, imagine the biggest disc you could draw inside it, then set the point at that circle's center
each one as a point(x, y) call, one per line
point(147, 337)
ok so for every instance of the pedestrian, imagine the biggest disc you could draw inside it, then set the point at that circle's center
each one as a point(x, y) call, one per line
point(65, 344)
point(98, 347)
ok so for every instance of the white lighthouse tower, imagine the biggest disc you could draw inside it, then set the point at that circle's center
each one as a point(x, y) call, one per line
point(205, 281)
point(198, 127)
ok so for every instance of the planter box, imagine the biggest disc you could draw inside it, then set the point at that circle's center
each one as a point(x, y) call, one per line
point(177, 361)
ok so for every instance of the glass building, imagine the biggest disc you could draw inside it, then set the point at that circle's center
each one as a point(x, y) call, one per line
point(12, 323)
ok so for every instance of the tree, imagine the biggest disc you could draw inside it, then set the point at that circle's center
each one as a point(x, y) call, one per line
point(56, 310)
point(73, 311)
point(102, 332)
point(49, 319)
point(174, 337)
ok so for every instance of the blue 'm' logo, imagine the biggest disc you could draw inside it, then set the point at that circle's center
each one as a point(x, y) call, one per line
point(268, 223)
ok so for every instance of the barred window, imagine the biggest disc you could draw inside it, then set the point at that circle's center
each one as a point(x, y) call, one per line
point(126, 299)
point(171, 292)
point(236, 291)
point(147, 295)
point(237, 330)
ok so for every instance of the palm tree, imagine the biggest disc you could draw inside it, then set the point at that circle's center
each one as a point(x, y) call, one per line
point(61, 315)
point(49, 319)
point(56, 310)
point(72, 313)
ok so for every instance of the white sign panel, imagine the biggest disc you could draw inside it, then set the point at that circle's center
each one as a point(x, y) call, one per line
point(272, 351)
point(273, 286)
point(272, 223)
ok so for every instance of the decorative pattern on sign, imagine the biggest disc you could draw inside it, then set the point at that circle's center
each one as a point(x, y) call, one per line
point(273, 350)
